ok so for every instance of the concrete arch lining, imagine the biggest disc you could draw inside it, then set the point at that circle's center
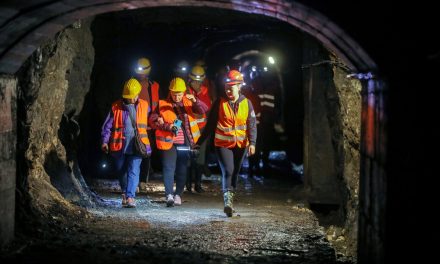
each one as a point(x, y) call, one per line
point(23, 34)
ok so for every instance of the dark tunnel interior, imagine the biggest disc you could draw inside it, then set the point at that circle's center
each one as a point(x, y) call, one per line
point(357, 82)
point(312, 138)
point(215, 35)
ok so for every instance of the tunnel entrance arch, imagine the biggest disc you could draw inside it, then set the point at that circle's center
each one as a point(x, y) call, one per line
point(26, 31)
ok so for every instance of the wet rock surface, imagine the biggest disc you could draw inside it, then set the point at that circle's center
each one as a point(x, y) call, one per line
point(268, 227)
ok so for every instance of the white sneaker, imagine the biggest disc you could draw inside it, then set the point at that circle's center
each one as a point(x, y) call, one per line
point(170, 200)
point(177, 200)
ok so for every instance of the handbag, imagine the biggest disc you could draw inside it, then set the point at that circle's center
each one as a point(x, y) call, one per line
point(139, 148)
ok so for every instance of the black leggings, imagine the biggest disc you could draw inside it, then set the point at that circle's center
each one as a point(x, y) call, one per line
point(230, 163)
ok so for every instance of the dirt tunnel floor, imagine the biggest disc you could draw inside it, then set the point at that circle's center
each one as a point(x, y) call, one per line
point(270, 228)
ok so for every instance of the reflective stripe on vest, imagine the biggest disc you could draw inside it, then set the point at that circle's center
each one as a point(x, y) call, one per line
point(165, 139)
point(231, 128)
point(117, 138)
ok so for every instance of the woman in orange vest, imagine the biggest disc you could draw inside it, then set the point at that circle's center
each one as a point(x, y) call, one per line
point(177, 132)
point(233, 120)
point(118, 135)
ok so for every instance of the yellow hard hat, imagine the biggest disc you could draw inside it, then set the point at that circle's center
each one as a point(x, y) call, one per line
point(177, 85)
point(197, 73)
point(131, 89)
point(143, 66)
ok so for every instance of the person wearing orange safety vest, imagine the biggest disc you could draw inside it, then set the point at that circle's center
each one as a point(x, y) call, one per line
point(233, 120)
point(118, 135)
point(149, 93)
point(196, 88)
point(177, 132)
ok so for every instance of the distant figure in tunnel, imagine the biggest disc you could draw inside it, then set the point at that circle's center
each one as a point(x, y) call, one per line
point(201, 92)
point(177, 133)
point(118, 135)
point(149, 93)
point(266, 86)
point(233, 120)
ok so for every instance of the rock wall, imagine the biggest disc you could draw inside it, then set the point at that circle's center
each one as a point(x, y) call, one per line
point(332, 144)
point(344, 104)
point(51, 89)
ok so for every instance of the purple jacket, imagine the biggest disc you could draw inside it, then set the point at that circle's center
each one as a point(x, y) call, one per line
point(107, 129)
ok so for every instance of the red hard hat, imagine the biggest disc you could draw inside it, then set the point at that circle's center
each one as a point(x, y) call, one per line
point(234, 77)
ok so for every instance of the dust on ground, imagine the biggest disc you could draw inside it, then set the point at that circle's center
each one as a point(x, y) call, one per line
point(269, 227)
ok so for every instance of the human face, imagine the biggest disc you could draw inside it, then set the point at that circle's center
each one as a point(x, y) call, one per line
point(232, 91)
point(195, 85)
point(177, 96)
point(131, 101)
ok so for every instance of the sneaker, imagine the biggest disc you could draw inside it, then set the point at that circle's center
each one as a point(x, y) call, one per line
point(124, 200)
point(177, 200)
point(131, 203)
point(170, 200)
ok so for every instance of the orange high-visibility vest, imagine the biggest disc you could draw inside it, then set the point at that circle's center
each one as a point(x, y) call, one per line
point(231, 127)
point(117, 136)
point(165, 139)
point(154, 95)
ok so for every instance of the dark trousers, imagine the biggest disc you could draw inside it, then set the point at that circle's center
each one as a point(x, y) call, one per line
point(230, 161)
point(146, 165)
point(174, 166)
point(195, 174)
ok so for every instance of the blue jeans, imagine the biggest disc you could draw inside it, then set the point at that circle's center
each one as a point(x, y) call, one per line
point(174, 165)
point(128, 168)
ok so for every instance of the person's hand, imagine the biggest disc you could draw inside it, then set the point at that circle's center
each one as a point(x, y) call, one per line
point(104, 147)
point(191, 97)
point(251, 150)
point(175, 130)
point(160, 121)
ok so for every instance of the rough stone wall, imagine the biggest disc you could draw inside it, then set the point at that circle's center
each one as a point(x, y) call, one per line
point(7, 157)
point(344, 107)
point(319, 154)
point(52, 86)
point(332, 143)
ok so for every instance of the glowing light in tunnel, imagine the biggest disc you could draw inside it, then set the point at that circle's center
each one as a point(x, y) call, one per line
point(271, 60)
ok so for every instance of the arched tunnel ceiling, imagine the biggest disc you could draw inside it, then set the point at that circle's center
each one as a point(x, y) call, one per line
point(196, 33)
point(25, 25)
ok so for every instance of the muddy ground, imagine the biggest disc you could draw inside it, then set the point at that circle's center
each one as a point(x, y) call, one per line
point(270, 227)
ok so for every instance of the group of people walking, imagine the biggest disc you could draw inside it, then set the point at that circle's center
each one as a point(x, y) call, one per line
point(177, 128)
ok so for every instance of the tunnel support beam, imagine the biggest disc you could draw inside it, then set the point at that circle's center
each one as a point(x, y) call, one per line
point(373, 187)
point(7, 158)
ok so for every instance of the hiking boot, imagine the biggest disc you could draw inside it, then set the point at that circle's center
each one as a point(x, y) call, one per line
point(177, 200)
point(131, 203)
point(228, 198)
point(199, 189)
point(124, 200)
point(170, 200)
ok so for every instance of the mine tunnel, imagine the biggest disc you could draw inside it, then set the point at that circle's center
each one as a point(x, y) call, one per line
point(315, 192)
